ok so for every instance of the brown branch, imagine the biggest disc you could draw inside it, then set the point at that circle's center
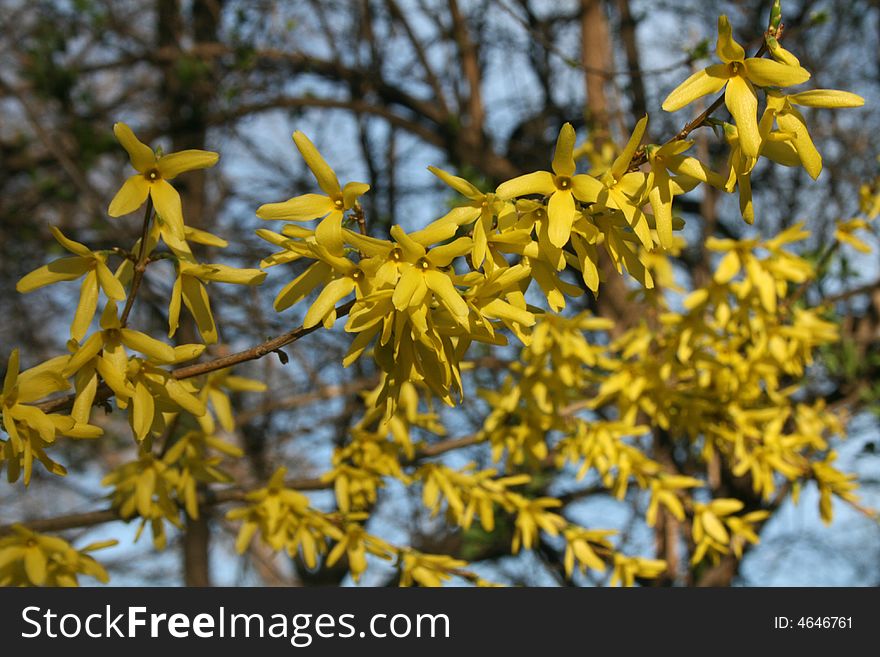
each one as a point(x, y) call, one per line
point(254, 352)
point(476, 113)
point(269, 346)
point(430, 77)
point(141, 265)
point(207, 498)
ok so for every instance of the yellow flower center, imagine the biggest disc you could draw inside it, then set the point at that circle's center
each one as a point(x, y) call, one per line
point(563, 182)
point(153, 175)
point(733, 67)
point(357, 275)
point(339, 203)
point(30, 543)
point(424, 264)
point(396, 254)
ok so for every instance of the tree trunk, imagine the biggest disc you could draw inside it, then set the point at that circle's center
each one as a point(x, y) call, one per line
point(188, 87)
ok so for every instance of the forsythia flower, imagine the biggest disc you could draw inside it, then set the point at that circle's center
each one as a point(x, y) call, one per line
point(31, 559)
point(86, 263)
point(739, 73)
point(29, 428)
point(330, 208)
point(791, 121)
point(189, 287)
point(562, 186)
point(154, 172)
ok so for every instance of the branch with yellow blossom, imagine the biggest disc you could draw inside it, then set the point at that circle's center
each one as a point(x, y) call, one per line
point(272, 345)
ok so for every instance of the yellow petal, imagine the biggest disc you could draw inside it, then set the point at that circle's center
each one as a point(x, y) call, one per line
point(142, 156)
point(85, 309)
point(329, 233)
point(12, 369)
point(223, 409)
point(184, 398)
point(410, 281)
point(299, 287)
point(691, 166)
point(36, 419)
point(204, 237)
point(227, 274)
point(323, 173)
point(351, 191)
point(563, 157)
point(826, 98)
point(726, 48)
point(442, 256)
point(707, 81)
point(195, 297)
point(460, 185)
point(714, 527)
point(64, 269)
point(109, 283)
point(439, 230)
point(174, 164)
point(586, 188)
point(130, 196)
point(793, 122)
point(174, 307)
point(71, 245)
point(622, 162)
point(661, 204)
point(168, 207)
point(441, 285)
point(742, 102)
point(43, 380)
point(539, 182)
point(299, 208)
point(143, 411)
point(144, 344)
point(635, 217)
point(502, 310)
point(115, 378)
point(561, 213)
point(728, 267)
point(767, 73)
point(86, 352)
point(334, 292)
point(782, 152)
point(744, 183)
point(35, 565)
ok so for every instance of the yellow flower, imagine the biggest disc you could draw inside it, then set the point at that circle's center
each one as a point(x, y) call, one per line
point(739, 73)
point(31, 559)
point(625, 191)
point(86, 263)
point(562, 186)
point(29, 428)
point(482, 209)
point(329, 208)
point(668, 159)
point(189, 287)
point(104, 353)
point(791, 121)
point(154, 172)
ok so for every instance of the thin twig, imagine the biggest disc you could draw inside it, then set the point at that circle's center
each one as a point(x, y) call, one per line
point(269, 346)
point(141, 265)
